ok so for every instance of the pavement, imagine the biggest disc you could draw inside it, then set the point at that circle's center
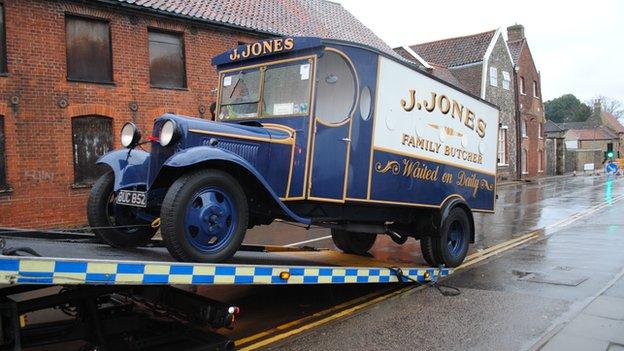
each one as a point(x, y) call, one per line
point(563, 291)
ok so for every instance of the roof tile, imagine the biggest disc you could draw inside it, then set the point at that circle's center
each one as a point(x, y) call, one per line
point(455, 51)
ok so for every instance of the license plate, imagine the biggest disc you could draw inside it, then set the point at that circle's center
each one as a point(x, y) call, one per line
point(132, 198)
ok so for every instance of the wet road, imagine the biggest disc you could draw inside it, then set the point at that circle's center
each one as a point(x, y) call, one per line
point(515, 301)
point(544, 206)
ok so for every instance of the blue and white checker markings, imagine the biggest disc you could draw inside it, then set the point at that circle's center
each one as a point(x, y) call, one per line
point(29, 270)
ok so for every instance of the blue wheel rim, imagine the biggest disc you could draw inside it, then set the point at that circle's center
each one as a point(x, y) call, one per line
point(455, 239)
point(210, 220)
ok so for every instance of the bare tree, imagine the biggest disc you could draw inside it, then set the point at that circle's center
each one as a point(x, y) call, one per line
point(613, 106)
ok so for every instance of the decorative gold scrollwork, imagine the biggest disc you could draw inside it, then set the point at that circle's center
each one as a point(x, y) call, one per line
point(392, 166)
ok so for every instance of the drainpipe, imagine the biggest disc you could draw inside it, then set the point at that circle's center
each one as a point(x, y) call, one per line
point(518, 125)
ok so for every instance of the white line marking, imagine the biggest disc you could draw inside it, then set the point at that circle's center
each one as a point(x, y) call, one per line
point(308, 241)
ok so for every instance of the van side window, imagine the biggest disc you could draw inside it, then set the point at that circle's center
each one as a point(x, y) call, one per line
point(336, 90)
point(286, 90)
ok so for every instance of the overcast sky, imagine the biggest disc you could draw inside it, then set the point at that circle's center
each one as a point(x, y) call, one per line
point(578, 46)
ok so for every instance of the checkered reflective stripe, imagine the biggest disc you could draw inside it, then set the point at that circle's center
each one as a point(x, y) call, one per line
point(33, 270)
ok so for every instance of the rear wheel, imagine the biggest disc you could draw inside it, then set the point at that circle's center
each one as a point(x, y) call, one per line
point(352, 242)
point(103, 212)
point(204, 217)
point(450, 246)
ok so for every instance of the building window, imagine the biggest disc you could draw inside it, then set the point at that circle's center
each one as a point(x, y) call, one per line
point(89, 55)
point(540, 168)
point(493, 76)
point(539, 130)
point(92, 138)
point(3, 54)
point(167, 66)
point(3, 182)
point(535, 92)
point(524, 128)
point(522, 88)
point(506, 80)
point(502, 146)
point(524, 162)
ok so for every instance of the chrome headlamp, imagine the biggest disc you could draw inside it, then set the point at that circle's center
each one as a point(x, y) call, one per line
point(168, 133)
point(130, 135)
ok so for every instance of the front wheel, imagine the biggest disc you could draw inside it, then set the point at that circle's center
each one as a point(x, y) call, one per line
point(450, 246)
point(104, 215)
point(352, 242)
point(204, 217)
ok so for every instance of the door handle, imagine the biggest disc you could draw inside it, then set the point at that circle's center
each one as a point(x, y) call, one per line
point(346, 140)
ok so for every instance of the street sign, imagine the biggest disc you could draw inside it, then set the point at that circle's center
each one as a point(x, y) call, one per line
point(588, 167)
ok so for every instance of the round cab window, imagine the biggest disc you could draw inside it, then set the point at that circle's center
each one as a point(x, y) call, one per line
point(336, 90)
point(365, 103)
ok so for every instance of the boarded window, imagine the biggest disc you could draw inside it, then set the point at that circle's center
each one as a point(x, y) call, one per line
point(3, 59)
point(502, 145)
point(89, 55)
point(3, 183)
point(92, 138)
point(167, 68)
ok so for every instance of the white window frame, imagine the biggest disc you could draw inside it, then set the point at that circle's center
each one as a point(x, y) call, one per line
point(522, 88)
point(493, 76)
point(502, 133)
point(539, 130)
point(535, 89)
point(506, 80)
point(524, 161)
point(523, 128)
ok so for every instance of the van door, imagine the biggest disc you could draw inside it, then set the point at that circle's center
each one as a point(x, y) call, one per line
point(336, 92)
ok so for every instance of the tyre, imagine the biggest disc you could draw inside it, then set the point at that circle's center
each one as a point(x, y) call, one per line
point(351, 242)
point(204, 217)
point(450, 246)
point(102, 212)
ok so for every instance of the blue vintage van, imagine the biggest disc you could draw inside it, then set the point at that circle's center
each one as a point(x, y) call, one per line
point(314, 131)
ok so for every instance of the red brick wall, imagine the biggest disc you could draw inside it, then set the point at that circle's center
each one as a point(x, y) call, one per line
point(38, 131)
point(532, 111)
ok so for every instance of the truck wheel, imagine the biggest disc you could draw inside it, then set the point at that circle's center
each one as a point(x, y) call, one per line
point(204, 217)
point(450, 246)
point(351, 242)
point(103, 212)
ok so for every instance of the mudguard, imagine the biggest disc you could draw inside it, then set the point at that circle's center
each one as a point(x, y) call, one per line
point(454, 201)
point(130, 167)
point(199, 154)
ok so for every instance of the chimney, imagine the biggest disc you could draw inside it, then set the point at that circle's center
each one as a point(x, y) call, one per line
point(515, 32)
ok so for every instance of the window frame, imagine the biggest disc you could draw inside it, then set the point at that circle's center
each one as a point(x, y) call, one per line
point(506, 79)
point(311, 59)
point(502, 130)
point(524, 160)
point(494, 73)
point(4, 186)
point(4, 67)
point(522, 86)
point(535, 90)
point(75, 183)
point(149, 59)
point(540, 159)
point(524, 128)
point(540, 129)
point(110, 50)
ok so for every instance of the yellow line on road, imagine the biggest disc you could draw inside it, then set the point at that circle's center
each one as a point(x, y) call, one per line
point(368, 301)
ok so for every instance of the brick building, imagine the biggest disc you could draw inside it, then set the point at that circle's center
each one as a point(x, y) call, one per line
point(530, 108)
point(482, 64)
point(73, 72)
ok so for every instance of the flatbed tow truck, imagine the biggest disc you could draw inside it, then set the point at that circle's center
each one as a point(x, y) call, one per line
point(141, 299)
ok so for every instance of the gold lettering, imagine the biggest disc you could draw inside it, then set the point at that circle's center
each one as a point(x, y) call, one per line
point(277, 45)
point(469, 122)
point(458, 110)
point(430, 106)
point(247, 51)
point(412, 97)
point(267, 47)
point(481, 127)
point(256, 49)
point(289, 43)
point(441, 99)
point(234, 55)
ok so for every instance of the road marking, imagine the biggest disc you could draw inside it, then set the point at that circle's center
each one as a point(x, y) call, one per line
point(471, 260)
point(308, 241)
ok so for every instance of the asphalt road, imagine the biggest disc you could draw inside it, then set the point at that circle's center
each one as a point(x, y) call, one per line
point(514, 300)
point(507, 302)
